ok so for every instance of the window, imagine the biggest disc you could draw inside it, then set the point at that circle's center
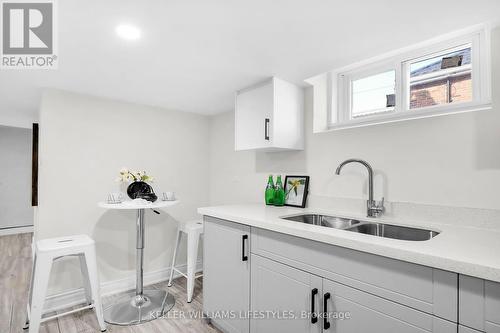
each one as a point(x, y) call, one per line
point(441, 79)
point(446, 75)
point(373, 94)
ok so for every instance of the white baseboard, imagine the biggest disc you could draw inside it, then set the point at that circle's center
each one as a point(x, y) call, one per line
point(15, 230)
point(77, 296)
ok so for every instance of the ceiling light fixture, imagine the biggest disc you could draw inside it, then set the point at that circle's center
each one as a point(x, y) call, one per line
point(127, 31)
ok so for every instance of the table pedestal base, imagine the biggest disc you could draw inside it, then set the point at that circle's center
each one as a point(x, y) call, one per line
point(131, 309)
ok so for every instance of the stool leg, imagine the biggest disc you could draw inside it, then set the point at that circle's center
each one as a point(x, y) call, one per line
point(42, 270)
point(86, 278)
point(30, 293)
point(192, 257)
point(91, 263)
point(177, 243)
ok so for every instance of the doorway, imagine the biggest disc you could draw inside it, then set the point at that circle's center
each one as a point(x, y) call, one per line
point(16, 211)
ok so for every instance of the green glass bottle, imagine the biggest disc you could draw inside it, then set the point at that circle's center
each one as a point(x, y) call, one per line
point(279, 193)
point(270, 191)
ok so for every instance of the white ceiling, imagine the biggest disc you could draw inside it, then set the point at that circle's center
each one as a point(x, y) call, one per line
point(194, 54)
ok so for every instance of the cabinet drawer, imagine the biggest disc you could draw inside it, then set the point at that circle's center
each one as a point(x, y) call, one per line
point(369, 313)
point(465, 329)
point(490, 328)
point(429, 290)
point(479, 304)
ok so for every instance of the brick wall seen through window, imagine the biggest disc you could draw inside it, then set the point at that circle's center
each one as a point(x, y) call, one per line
point(455, 89)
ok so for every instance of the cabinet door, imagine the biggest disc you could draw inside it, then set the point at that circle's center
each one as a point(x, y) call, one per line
point(350, 310)
point(283, 298)
point(253, 117)
point(226, 274)
point(479, 304)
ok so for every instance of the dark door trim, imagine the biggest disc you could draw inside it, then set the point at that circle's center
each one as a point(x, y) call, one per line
point(34, 167)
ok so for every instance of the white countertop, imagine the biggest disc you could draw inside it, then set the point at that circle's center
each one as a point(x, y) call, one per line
point(467, 250)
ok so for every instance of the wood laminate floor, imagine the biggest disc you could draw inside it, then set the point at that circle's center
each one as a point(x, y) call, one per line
point(15, 271)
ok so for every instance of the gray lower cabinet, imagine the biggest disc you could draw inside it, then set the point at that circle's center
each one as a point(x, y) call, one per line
point(429, 290)
point(288, 292)
point(255, 279)
point(283, 298)
point(226, 281)
point(479, 304)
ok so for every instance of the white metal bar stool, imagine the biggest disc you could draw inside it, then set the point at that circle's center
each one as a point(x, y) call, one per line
point(193, 230)
point(48, 250)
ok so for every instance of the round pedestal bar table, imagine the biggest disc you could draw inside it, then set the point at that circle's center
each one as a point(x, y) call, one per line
point(142, 305)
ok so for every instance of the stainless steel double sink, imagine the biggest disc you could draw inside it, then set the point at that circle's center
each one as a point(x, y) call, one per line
point(365, 227)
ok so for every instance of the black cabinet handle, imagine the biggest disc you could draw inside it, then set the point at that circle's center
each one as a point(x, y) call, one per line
point(266, 129)
point(244, 257)
point(326, 323)
point(314, 317)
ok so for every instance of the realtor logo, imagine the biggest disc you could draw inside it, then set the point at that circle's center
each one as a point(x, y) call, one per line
point(28, 35)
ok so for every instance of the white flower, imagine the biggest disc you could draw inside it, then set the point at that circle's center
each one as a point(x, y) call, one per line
point(127, 175)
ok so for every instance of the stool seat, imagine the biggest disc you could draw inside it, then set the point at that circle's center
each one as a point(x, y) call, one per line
point(70, 243)
point(45, 252)
point(191, 226)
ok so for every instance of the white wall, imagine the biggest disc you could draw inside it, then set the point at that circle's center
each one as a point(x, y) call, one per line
point(450, 161)
point(84, 141)
point(15, 180)
point(14, 118)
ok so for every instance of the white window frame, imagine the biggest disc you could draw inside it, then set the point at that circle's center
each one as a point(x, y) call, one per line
point(345, 89)
point(340, 81)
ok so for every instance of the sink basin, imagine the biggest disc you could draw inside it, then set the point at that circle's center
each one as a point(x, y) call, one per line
point(324, 220)
point(364, 227)
point(394, 231)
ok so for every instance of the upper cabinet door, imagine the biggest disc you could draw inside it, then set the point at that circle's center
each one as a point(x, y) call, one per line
point(253, 118)
point(269, 116)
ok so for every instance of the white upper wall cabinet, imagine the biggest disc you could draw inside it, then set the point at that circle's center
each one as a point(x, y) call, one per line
point(269, 116)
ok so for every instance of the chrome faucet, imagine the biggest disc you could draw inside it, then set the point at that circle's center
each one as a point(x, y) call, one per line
point(374, 208)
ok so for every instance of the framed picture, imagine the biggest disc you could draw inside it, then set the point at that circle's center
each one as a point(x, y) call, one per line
point(296, 190)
